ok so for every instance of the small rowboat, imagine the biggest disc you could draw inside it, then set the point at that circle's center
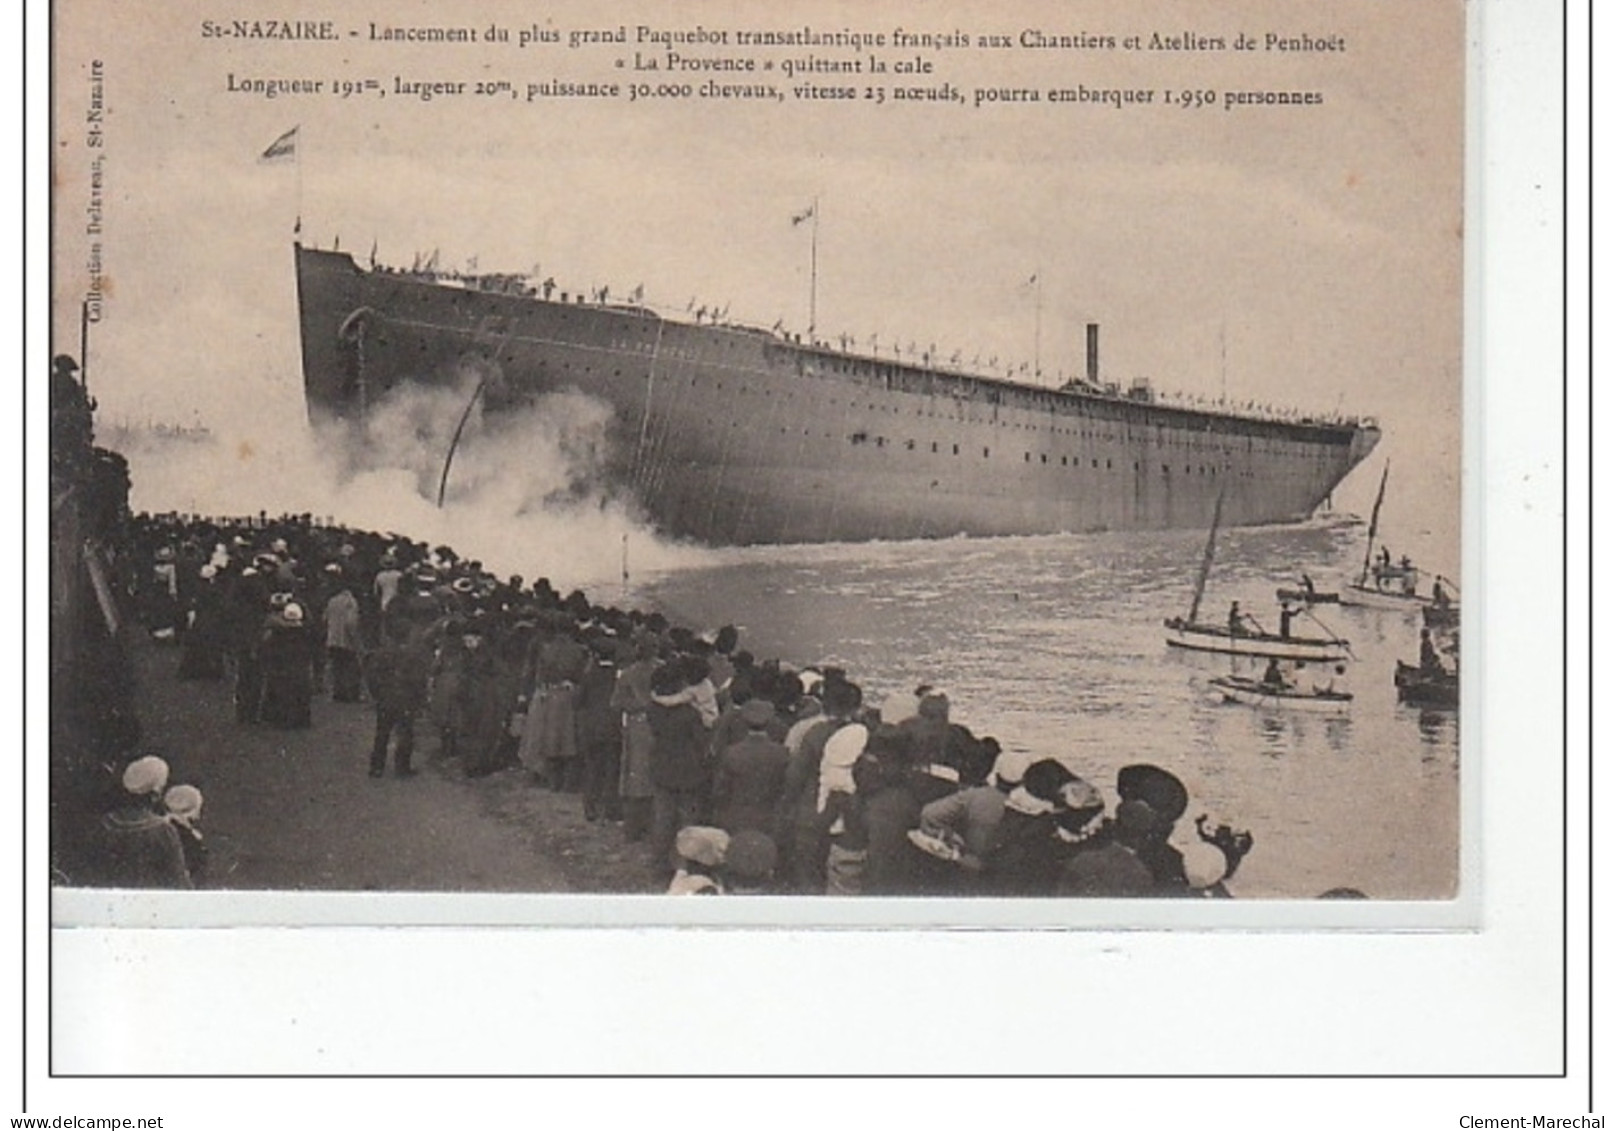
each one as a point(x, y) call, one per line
point(1216, 638)
point(1307, 597)
point(1243, 689)
point(1421, 688)
point(1367, 595)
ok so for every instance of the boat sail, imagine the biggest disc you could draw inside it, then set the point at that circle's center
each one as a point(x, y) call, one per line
point(1238, 637)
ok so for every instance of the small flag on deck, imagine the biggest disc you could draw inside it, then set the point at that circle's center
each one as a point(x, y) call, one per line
point(282, 149)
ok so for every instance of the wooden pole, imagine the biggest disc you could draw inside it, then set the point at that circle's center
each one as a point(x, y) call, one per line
point(448, 460)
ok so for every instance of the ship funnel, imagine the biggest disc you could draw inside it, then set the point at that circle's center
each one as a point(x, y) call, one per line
point(1093, 353)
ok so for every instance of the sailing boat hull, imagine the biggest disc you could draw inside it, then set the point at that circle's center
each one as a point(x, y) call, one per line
point(1420, 688)
point(1217, 639)
point(1368, 597)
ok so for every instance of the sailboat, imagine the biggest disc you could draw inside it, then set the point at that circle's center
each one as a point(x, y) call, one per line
point(1238, 636)
point(1384, 584)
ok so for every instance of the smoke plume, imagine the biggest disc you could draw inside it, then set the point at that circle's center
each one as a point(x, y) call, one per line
point(526, 490)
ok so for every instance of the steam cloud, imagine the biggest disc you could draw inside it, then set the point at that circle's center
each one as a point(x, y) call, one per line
point(526, 492)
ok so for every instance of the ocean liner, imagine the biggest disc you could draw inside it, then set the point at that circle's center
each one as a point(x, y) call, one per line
point(734, 435)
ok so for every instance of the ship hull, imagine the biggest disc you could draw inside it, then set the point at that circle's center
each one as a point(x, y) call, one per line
point(731, 436)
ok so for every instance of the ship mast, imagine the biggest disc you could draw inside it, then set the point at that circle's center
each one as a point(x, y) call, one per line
point(1222, 350)
point(813, 272)
point(1037, 329)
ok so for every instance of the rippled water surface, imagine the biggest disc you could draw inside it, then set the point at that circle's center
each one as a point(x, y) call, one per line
point(1055, 645)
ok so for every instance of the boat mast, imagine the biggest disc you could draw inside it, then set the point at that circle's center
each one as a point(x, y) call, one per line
point(1373, 525)
point(1205, 561)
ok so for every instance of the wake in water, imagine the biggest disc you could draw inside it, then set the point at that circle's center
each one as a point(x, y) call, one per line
point(526, 490)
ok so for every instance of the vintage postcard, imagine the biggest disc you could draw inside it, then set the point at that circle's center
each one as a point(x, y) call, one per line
point(976, 465)
point(990, 464)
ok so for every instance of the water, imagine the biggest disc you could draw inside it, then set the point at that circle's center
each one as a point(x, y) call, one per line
point(1052, 644)
point(1055, 645)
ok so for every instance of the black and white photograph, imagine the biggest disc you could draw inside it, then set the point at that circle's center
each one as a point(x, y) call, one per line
point(967, 465)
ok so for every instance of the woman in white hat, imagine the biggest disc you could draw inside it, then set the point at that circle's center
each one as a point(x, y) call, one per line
point(182, 806)
point(287, 657)
point(202, 648)
point(140, 848)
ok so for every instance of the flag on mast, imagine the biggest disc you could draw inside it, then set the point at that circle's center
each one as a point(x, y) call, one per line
point(282, 149)
point(804, 215)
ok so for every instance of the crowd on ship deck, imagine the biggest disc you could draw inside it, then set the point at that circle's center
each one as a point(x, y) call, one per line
point(735, 774)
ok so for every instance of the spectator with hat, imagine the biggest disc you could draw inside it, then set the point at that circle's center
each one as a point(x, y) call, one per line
point(482, 702)
point(182, 805)
point(397, 673)
point(549, 745)
point(287, 656)
point(750, 774)
point(1113, 867)
point(802, 825)
point(1166, 798)
point(344, 642)
point(678, 759)
point(701, 851)
point(1024, 855)
point(599, 730)
point(202, 648)
point(967, 820)
point(631, 696)
point(142, 849)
